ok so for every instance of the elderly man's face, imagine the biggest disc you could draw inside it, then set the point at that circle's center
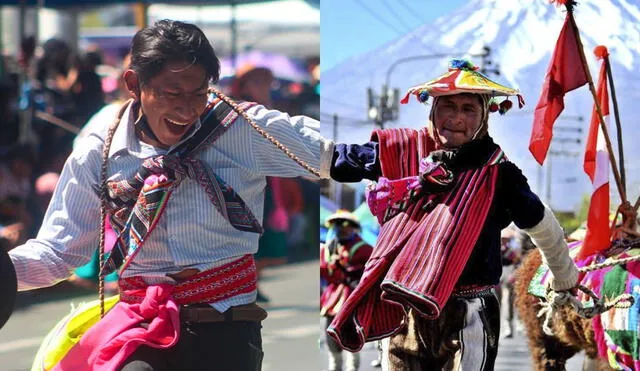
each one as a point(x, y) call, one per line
point(173, 100)
point(457, 118)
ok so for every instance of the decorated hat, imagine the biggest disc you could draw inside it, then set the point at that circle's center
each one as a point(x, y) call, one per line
point(8, 286)
point(463, 77)
point(342, 215)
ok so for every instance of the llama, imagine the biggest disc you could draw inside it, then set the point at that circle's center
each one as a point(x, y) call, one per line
point(615, 336)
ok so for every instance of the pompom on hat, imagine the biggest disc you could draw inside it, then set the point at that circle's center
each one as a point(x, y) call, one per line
point(463, 77)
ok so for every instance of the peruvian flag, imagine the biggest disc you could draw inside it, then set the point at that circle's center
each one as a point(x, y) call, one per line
point(596, 165)
point(565, 73)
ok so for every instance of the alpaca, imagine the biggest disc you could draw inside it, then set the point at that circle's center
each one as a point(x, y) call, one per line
point(571, 333)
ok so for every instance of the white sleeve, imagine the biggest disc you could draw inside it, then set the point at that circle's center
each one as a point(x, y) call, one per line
point(549, 237)
point(70, 230)
point(299, 134)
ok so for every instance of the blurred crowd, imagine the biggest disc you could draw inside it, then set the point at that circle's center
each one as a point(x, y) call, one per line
point(51, 95)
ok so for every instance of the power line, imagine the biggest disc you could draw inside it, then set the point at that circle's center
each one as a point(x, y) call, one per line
point(340, 103)
point(393, 12)
point(346, 120)
point(376, 16)
point(410, 11)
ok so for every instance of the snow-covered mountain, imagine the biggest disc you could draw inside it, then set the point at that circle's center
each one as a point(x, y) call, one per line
point(521, 35)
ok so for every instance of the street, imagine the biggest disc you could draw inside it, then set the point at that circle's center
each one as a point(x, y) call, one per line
point(290, 333)
point(513, 354)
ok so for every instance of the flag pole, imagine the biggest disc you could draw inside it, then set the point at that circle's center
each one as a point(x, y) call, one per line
point(616, 114)
point(623, 194)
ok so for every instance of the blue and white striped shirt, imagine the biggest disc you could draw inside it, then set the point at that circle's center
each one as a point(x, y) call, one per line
point(191, 233)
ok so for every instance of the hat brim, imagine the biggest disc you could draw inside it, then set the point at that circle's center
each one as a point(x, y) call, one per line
point(8, 286)
point(333, 219)
point(459, 82)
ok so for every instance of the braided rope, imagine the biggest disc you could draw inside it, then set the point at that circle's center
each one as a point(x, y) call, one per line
point(555, 300)
point(103, 201)
point(266, 135)
point(609, 263)
point(104, 174)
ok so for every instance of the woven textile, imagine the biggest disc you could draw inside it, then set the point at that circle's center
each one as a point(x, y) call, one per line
point(422, 250)
point(136, 204)
point(616, 331)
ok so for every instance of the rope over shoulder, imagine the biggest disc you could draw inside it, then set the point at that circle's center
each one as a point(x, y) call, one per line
point(266, 135)
point(104, 172)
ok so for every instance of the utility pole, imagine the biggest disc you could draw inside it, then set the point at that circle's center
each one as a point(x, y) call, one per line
point(560, 153)
point(337, 186)
point(385, 107)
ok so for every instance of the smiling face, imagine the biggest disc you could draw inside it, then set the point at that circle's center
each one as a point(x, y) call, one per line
point(457, 118)
point(172, 100)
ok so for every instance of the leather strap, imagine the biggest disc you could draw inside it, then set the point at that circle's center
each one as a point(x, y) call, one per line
point(204, 313)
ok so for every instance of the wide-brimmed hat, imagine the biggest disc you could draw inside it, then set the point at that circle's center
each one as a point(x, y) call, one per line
point(464, 77)
point(246, 72)
point(8, 286)
point(342, 215)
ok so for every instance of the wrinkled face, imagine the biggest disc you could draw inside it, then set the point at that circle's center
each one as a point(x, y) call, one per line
point(173, 100)
point(457, 118)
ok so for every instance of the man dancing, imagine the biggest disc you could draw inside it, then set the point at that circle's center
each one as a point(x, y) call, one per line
point(175, 186)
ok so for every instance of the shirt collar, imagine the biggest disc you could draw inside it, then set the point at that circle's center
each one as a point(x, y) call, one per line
point(125, 138)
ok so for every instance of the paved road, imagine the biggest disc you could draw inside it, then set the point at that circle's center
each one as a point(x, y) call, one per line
point(513, 354)
point(290, 334)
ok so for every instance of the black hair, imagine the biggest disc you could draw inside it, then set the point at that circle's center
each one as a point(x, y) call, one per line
point(171, 41)
point(55, 59)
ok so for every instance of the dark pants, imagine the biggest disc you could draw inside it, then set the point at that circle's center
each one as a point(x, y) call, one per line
point(219, 346)
point(464, 337)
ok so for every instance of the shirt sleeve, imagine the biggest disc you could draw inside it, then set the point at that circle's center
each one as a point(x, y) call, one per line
point(353, 163)
point(299, 134)
point(523, 206)
point(70, 230)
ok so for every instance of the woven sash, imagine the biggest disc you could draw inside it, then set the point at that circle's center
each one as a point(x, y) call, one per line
point(136, 204)
point(219, 283)
point(421, 251)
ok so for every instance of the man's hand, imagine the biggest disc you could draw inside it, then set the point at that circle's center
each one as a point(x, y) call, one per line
point(12, 233)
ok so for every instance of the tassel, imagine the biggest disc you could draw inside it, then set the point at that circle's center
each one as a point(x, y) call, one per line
point(405, 100)
point(423, 97)
point(520, 101)
point(493, 106)
point(505, 106)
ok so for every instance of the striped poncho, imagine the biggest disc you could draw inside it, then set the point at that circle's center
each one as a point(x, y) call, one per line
point(425, 240)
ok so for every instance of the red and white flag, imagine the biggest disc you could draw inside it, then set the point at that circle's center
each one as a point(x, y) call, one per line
point(596, 165)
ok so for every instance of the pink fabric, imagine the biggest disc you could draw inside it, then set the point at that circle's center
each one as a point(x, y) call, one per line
point(114, 338)
point(389, 195)
point(278, 219)
point(110, 236)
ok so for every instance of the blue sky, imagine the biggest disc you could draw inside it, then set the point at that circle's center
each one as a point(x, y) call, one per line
point(352, 27)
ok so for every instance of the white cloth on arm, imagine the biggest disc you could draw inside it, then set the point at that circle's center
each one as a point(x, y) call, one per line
point(191, 233)
point(548, 236)
point(326, 158)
